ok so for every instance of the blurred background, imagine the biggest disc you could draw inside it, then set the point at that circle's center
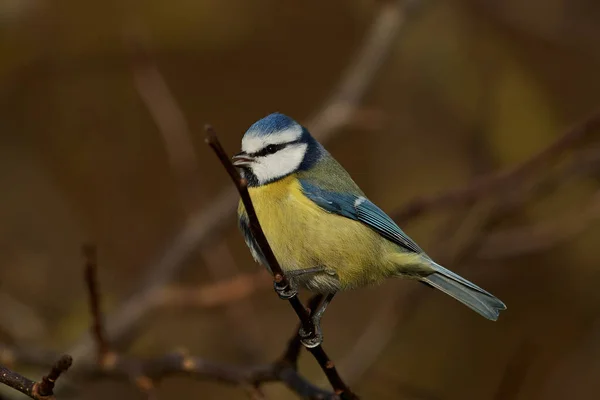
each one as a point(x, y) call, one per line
point(102, 108)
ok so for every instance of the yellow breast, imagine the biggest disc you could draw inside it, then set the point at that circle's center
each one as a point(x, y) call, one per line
point(302, 235)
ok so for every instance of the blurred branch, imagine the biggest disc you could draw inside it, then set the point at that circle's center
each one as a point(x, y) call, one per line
point(91, 280)
point(466, 232)
point(279, 278)
point(506, 180)
point(339, 109)
point(214, 294)
point(145, 373)
point(204, 225)
point(43, 390)
point(168, 117)
point(584, 162)
point(583, 34)
point(513, 242)
point(174, 130)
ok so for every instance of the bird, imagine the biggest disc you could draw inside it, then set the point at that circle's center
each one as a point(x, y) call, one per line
point(325, 233)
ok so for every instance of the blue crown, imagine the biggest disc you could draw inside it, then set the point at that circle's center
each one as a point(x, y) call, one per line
point(270, 124)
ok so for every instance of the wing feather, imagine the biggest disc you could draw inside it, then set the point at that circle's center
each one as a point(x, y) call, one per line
point(360, 209)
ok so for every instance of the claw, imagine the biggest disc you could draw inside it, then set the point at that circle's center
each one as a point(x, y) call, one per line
point(314, 338)
point(309, 339)
point(286, 292)
point(311, 343)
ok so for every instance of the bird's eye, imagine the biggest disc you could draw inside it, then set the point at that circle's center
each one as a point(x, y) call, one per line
point(271, 149)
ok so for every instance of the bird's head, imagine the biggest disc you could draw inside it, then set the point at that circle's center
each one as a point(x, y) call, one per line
point(275, 147)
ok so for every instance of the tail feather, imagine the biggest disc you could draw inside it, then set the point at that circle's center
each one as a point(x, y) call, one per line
point(466, 292)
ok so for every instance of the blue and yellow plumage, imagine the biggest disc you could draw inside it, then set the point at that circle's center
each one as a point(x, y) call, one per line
point(315, 217)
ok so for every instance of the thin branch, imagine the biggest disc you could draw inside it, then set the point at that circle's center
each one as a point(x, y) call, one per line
point(204, 225)
point(219, 293)
point(146, 372)
point(512, 242)
point(279, 277)
point(338, 110)
point(242, 188)
point(43, 390)
point(503, 180)
point(166, 113)
point(91, 280)
point(292, 351)
point(174, 130)
point(46, 387)
point(157, 369)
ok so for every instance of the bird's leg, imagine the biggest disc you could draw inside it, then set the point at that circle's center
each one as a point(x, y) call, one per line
point(313, 339)
point(291, 289)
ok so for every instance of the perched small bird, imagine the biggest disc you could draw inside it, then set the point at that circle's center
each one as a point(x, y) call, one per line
point(324, 232)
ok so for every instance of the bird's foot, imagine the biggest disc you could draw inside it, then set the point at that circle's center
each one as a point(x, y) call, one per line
point(311, 339)
point(285, 292)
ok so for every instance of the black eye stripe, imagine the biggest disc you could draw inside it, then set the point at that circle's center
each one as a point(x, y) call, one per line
point(271, 149)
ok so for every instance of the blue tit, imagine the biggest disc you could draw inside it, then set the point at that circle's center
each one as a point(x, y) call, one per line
point(326, 234)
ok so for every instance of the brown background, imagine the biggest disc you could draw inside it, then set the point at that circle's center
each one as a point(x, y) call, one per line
point(468, 87)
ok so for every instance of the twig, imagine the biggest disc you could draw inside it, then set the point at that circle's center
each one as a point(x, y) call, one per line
point(156, 369)
point(146, 372)
point(292, 351)
point(205, 224)
point(170, 120)
point(91, 280)
point(214, 294)
point(507, 179)
point(512, 242)
point(46, 387)
point(177, 137)
point(161, 104)
point(43, 390)
point(279, 277)
point(339, 109)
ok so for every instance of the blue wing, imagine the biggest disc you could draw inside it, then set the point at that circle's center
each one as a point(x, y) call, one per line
point(360, 209)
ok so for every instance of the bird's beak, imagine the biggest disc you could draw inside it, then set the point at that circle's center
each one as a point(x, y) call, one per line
point(242, 160)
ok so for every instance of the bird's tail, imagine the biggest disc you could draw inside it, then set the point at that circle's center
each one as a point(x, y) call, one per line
point(464, 291)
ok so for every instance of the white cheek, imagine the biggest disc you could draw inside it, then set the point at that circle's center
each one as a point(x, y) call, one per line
point(280, 164)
